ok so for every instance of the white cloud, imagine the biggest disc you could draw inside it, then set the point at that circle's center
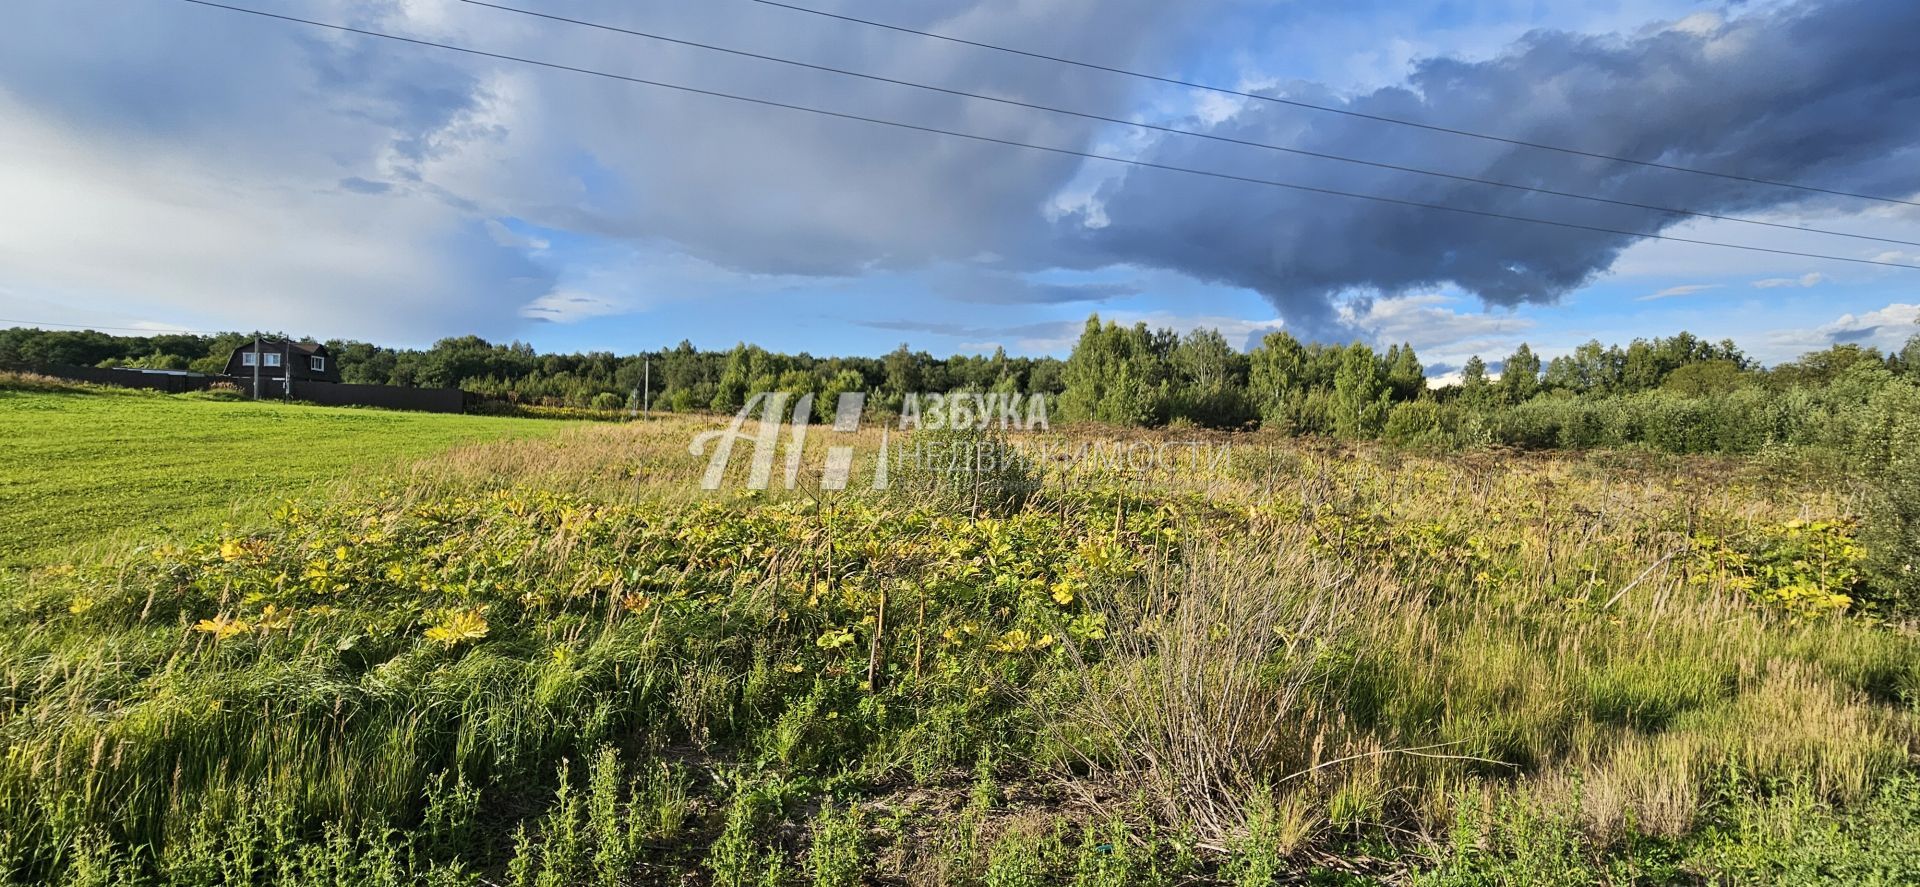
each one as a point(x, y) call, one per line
point(1440, 334)
point(1426, 322)
point(1672, 291)
point(110, 228)
point(1804, 280)
point(1885, 329)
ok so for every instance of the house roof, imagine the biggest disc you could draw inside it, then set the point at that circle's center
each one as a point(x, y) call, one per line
point(282, 345)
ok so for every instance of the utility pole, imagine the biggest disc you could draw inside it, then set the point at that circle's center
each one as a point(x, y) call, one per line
point(286, 369)
point(256, 367)
point(646, 385)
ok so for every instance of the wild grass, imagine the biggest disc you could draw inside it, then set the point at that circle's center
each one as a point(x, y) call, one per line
point(557, 661)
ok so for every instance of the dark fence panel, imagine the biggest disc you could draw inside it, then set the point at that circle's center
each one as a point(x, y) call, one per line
point(393, 397)
point(131, 378)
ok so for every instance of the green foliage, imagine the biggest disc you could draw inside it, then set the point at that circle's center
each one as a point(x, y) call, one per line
point(1118, 375)
point(837, 857)
point(1519, 375)
point(1807, 568)
point(1361, 394)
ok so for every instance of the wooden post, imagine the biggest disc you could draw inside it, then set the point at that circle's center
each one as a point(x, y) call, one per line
point(919, 629)
point(875, 662)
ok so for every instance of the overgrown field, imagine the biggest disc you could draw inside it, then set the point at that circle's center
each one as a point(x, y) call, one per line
point(558, 662)
point(85, 465)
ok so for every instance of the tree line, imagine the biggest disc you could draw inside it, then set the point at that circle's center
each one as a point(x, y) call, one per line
point(1680, 392)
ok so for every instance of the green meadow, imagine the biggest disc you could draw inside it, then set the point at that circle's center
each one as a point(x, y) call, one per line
point(88, 467)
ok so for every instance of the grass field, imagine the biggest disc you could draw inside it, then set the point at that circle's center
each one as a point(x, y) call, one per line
point(553, 661)
point(86, 466)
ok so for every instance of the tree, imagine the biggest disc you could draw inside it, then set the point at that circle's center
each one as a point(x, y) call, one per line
point(1405, 375)
point(1591, 367)
point(1705, 377)
point(904, 375)
point(1821, 368)
point(730, 394)
point(1361, 397)
point(1473, 379)
point(1520, 375)
point(1907, 362)
point(1277, 377)
point(1210, 380)
point(1118, 374)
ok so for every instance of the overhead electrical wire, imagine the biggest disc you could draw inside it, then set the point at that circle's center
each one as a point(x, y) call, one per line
point(1069, 152)
point(1330, 109)
point(1341, 158)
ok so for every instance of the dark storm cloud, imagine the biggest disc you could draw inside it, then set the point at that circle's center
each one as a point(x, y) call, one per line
point(1824, 93)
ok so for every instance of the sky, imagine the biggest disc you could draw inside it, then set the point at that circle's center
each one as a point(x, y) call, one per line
point(171, 166)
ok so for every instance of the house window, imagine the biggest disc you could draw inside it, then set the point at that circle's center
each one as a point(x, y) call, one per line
point(248, 359)
point(319, 364)
point(273, 360)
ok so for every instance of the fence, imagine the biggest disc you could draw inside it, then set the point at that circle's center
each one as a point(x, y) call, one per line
point(172, 383)
point(393, 397)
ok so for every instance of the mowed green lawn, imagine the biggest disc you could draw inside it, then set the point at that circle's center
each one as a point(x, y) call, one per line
point(80, 468)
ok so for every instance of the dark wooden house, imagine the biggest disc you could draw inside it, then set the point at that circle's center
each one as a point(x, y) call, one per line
point(279, 359)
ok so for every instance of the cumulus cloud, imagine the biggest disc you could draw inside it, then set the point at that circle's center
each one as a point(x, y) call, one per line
point(1429, 321)
point(1780, 93)
point(1886, 329)
point(1442, 335)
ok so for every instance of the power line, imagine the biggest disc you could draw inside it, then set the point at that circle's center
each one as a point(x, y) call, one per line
point(1178, 131)
point(1069, 152)
point(1398, 121)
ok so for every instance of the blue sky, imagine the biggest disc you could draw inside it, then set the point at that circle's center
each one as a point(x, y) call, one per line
point(169, 166)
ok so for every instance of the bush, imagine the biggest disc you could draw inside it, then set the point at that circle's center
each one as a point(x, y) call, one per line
point(1421, 423)
point(1882, 442)
point(977, 470)
point(1223, 406)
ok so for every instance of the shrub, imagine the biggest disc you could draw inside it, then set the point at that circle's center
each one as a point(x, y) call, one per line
point(1421, 422)
point(976, 470)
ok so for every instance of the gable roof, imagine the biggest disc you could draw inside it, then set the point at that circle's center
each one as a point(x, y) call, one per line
point(282, 345)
